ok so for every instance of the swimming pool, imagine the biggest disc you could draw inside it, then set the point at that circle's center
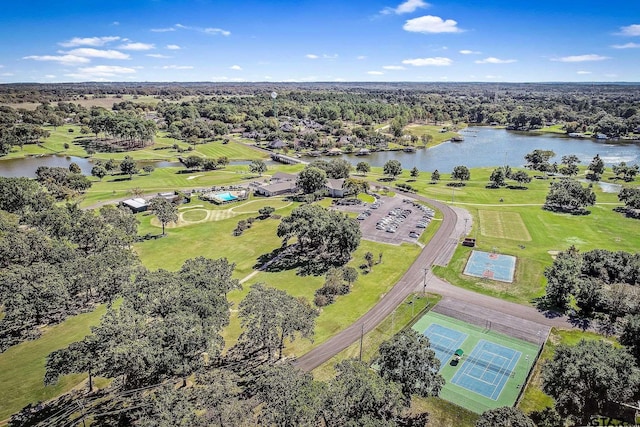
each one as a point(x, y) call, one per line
point(226, 197)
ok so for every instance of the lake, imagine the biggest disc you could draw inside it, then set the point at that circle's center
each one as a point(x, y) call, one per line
point(488, 147)
point(482, 147)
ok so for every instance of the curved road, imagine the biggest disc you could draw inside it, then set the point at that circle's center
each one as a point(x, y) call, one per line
point(453, 225)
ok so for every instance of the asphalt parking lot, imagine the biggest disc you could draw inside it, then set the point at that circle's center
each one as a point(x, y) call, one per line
point(390, 220)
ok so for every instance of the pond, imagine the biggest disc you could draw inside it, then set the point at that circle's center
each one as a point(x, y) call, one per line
point(489, 147)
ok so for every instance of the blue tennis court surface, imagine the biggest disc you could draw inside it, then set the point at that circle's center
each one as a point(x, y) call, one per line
point(487, 369)
point(444, 341)
point(491, 266)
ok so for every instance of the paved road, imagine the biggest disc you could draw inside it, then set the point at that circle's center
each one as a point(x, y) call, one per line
point(391, 300)
point(452, 228)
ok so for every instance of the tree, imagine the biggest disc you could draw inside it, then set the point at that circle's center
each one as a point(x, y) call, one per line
point(570, 163)
point(590, 296)
point(497, 178)
point(505, 416)
point(349, 274)
point(414, 172)
point(563, 277)
point(630, 197)
point(521, 177)
point(311, 179)
point(589, 378)
point(368, 257)
point(266, 211)
point(258, 166)
point(393, 168)
point(83, 356)
point(407, 359)
point(538, 160)
point(99, 172)
point(461, 173)
point(359, 396)
point(148, 169)
point(165, 211)
point(626, 172)
point(324, 238)
point(595, 168)
point(128, 166)
point(363, 168)
point(567, 195)
point(435, 176)
point(269, 316)
point(355, 186)
point(193, 162)
point(74, 168)
point(290, 397)
point(630, 336)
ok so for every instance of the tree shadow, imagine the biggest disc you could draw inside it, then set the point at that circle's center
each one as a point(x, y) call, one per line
point(581, 322)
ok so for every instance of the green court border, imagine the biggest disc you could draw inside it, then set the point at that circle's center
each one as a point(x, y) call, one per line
point(464, 397)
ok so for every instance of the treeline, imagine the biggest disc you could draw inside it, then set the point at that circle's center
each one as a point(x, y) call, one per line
point(602, 284)
point(57, 260)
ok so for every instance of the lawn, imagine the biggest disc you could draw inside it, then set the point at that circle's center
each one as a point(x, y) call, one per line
point(160, 149)
point(519, 226)
point(22, 366)
point(437, 136)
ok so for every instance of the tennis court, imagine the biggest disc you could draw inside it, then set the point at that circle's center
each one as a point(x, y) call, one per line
point(444, 341)
point(491, 265)
point(492, 370)
point(487, 369)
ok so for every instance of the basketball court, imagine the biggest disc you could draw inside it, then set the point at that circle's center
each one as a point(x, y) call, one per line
point(491, 265)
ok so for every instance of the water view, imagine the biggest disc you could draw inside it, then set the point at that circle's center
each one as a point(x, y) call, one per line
point(486, 147)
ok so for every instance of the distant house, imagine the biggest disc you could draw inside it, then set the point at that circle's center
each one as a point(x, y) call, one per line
point(277, 189)
point(276, 144)
point(282, 177)
point(335, 187)
point(176, 197)
point(335, 151)
point(136, 205)
point(363, 152)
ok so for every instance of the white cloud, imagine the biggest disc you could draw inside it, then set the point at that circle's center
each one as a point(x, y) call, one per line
point(311, 56)
point(63, 59)
point(177, 67)
point(361, 57)
point(583, 72)
point(101, 72)
point(469, 52)
point(375, 73)
point(493, 60)
point(49, 76)
point(630, 30)
point(115, 23)
point(89, 52)
point(138, 46)
point(431, 24)
point(235, 67)
point(581, 58)
point(217, 31)
point(158, 55)
point(89, 41)
point(173, 47)
point(211, 31)
point(393, 67)
point(163, 30)
point(423, 62)
point(1, 66)
point(7, 74)
point(626, 46)
point(408, 6)
point(492, 77)
point(326, 56)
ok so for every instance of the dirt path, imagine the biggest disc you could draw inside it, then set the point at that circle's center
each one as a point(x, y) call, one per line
point(452, 228)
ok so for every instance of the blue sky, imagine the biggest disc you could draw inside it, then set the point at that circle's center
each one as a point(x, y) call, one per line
point(375, 40)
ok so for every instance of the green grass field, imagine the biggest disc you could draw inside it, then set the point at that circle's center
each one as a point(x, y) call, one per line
point(437, 136)
point(519, 226)
point(22, 366)
point(464, 397)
